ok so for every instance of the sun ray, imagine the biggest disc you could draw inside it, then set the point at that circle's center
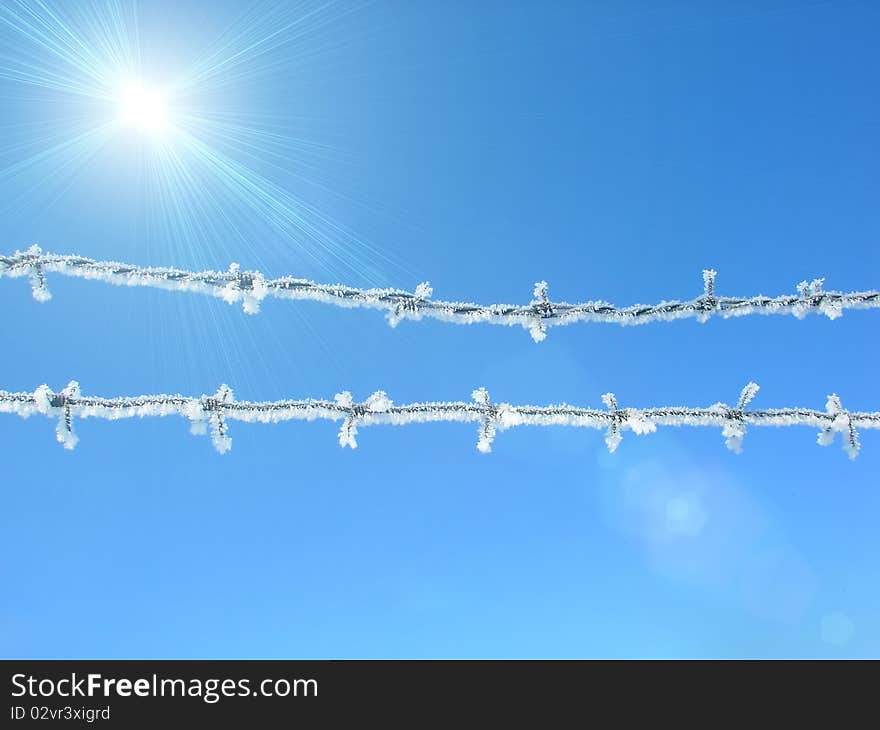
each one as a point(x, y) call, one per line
point(214, 165)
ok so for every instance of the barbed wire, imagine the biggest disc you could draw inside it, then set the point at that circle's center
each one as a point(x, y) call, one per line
point(250, 288)
point(212, 414)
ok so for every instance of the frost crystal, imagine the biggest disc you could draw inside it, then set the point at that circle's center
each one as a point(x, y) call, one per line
point(379, 402)
point(639, 423)
point(733, 433)
point(343, 399)
point(198, 419)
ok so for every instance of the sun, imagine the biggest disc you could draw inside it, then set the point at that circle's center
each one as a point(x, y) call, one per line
point(143, 107)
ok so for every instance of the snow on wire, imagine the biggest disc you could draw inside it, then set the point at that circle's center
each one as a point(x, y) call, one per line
point(251, 287)
point(212, 414)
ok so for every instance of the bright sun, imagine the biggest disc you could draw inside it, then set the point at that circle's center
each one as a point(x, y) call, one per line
point(143, 107)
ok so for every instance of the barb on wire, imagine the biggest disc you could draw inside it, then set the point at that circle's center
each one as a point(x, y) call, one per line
point(355, 412)
point(734, 430)
point(250, 288)
point(487, 430)
point(627, 418)
point(841, 421)
point(212, 414)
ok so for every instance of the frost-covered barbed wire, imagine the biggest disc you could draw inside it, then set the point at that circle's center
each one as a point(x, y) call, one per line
point(250, 288)
point(212, 414)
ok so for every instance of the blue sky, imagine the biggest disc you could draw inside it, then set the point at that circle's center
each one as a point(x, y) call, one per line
point(614, 149)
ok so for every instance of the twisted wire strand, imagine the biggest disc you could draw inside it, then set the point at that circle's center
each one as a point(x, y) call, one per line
point(212, 414)
point(250, 288)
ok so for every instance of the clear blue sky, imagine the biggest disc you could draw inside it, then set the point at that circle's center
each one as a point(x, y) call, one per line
point(612, 148)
